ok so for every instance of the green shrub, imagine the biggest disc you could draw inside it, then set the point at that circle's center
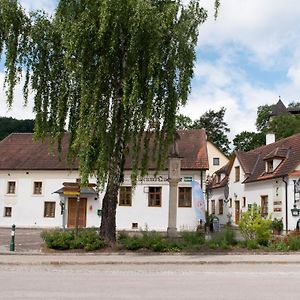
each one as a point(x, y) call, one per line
point(294, 243)
point(87, 239)
point(277, 225)
point(280, 246)
point(57, 239)
point(254, 227)
point(252, 244)
point(229, 235)
point(192, 240)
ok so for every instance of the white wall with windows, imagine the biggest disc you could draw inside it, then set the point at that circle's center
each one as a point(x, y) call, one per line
point(270, 195)
point(27, 199)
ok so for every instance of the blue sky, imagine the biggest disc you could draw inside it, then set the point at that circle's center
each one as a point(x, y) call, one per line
point(248, 57)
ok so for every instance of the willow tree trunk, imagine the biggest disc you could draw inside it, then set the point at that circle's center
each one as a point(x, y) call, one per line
point(108, 219)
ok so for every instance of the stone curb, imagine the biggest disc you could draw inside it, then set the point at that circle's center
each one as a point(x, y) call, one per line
point(93, 263)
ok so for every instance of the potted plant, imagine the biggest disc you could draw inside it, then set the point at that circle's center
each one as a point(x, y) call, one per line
point(277, 226)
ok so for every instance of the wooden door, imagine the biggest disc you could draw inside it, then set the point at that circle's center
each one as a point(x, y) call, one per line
point(237, 212)
point(72, 202)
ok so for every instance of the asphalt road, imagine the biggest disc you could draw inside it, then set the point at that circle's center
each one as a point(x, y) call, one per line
point(240, 282)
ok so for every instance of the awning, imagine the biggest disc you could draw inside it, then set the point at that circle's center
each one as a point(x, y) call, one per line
point(83, 191)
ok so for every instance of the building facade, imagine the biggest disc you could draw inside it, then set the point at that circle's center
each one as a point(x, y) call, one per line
point(268, 176)
point(32, 181)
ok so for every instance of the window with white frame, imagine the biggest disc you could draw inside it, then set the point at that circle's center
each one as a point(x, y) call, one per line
point(154, 196)
point(185, 197)
point(11, 187)
point(7, 212)
point(49, 209)
point(37, 187)
point(125, 196)
point(216, 161)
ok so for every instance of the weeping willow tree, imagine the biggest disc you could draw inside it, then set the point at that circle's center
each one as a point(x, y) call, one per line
point(108, 70)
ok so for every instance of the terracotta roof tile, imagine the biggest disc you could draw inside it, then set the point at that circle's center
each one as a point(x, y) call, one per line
point(18, 151)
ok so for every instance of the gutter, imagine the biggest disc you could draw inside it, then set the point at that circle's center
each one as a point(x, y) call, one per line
point(286, 203)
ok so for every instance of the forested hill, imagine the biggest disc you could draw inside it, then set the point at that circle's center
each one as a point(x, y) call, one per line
point(9, 125)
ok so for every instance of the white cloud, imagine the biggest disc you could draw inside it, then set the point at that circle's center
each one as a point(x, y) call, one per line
point(46, 5)
point(18, 109)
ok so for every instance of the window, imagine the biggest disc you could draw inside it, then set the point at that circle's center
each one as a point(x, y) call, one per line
point(134, 225)
point(237, 173)
point(7, 211)
point(230, 202)
point(213, 207)
point(220, 206)
point(244, 201)
point(270, 168)
point(37, 188)
point(216, 161)
point(49, 210)
point(264, 206)
point(125, 196)
point(11, 187)
point(154, 196)
point(185, 197)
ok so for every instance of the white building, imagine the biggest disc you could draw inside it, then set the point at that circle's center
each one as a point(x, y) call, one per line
point(31, 182)
point(268, 176)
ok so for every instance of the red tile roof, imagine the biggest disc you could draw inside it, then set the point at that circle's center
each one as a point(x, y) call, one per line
point(253, 162)
point(287, 150)
point(18, 151)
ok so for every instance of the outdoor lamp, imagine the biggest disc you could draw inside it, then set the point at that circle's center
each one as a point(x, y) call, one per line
point(296, 211)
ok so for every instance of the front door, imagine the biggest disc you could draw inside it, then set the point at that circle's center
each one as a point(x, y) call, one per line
point(72, 202)
point(237, 212)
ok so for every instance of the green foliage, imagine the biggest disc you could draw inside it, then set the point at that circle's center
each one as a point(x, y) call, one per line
point(254, 227)
point(263, 115)
point(294, 243)
point(183, 122)
point(246, 141)
point(147, 240)
point(112, 68)
point(214, 124)
point(10, 125)
point(223, 239)
point(216, 128)
point(285, 125)
point(87, 239)
point(57, 239)
point(277, 224)
point(192, 240)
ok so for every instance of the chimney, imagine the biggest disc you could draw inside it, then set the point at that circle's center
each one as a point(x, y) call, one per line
point(270, 138)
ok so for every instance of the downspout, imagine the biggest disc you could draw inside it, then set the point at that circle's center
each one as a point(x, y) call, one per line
point(286, 203)
point(201, 180)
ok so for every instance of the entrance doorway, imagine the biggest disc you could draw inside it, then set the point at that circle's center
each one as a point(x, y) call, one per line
point(72, 202)
point(237, 212)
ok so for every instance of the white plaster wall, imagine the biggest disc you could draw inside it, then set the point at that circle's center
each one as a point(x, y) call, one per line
point(217, 195)
point(213, 151)
point(28, 209)
point(155, 218)
point(274, 189)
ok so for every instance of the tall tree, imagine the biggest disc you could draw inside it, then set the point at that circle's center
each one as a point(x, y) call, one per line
point(216, 128)
point(9, 125)
point(183, 122)
point(246, 141)
point(285, 125)
point(112, 68)
point(263, 116)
